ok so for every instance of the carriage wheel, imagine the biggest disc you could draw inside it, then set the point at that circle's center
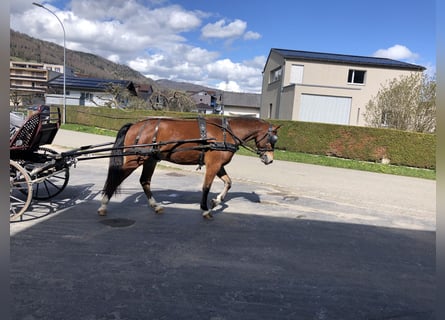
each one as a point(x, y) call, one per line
point(20, 190)
point(53, 182)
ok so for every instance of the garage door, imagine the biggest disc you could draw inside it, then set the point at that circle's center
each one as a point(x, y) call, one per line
point(326, 109)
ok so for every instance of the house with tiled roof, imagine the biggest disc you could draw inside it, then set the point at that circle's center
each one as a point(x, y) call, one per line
point(84, 91)
point(324, 87)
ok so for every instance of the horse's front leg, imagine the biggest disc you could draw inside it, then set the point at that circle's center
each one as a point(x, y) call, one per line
point(208, 180)
point(145, 181)
point(222, 174)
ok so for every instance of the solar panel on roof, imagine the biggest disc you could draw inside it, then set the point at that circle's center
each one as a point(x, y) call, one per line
point(87, 83)
point(342, 58)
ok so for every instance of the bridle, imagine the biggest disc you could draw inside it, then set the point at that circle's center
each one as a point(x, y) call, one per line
point(271, 140)
point(270, 135)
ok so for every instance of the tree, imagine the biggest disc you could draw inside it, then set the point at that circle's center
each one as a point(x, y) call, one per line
point(158, 101)
point(405, 103)
point(180, 101)
point(170, 100)
point(115, 96)
point(14, 98)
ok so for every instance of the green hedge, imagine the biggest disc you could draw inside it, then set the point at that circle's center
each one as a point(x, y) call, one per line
point(350, 142)
point(359, 143)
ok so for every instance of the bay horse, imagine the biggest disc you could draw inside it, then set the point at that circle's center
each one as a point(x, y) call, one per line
point(208, 141)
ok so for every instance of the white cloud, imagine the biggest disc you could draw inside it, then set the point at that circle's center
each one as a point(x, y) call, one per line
point(183, 21)
point(229, 86)
point(396, 52)
point(246, 74)
point(105, 9)
point(220, 29)
point(20, 6)
point(114, 57)
point(148, 64)
point(250, 35)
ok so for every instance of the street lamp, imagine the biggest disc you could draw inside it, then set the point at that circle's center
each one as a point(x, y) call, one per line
point(64, 59)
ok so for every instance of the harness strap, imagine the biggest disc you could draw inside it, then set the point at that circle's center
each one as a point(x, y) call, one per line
point(202, 127)
point(155, 134)
point(155, 148)
point(225, 123)
point(203, 132)
point(224, 146)
point(136, 140)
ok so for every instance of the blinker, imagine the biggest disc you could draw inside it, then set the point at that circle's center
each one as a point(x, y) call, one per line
point(273, 139)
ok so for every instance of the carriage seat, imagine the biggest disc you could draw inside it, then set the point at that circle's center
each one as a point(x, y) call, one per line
point(38, 129)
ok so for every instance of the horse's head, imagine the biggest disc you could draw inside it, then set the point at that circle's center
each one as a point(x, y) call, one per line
point(265, 143)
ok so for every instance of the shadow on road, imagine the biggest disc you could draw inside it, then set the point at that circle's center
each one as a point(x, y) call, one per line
point(43, 208)
point(141, 265)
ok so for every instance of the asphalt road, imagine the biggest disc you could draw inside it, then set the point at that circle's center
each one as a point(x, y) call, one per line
point(292, 241)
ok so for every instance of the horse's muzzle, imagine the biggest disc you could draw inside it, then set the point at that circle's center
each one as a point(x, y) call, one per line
point(266, 158)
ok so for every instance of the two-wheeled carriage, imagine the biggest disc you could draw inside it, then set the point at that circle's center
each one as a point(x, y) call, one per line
point(36, 172)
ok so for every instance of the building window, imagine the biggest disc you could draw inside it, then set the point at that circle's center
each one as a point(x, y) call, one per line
point(275, 75)
point(296, 74)
point(356, 76)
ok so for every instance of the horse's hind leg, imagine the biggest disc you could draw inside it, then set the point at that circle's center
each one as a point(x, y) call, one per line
point(114, 180)
point(145, 181)
point(222, 174)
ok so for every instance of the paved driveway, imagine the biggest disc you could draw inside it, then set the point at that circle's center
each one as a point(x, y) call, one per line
point(291, 242)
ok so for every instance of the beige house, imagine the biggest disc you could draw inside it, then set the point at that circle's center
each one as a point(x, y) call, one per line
point(324, 87)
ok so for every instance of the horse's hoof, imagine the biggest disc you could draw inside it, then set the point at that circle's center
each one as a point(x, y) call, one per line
point(159, 210)
point(102, 212)
point(207, 215)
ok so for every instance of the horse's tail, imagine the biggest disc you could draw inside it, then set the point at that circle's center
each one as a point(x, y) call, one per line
point(115, 172)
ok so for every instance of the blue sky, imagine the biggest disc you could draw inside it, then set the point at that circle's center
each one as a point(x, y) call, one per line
point(225, 44)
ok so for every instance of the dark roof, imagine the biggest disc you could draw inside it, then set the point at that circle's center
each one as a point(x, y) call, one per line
point(91, 84)
point(346, 59)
